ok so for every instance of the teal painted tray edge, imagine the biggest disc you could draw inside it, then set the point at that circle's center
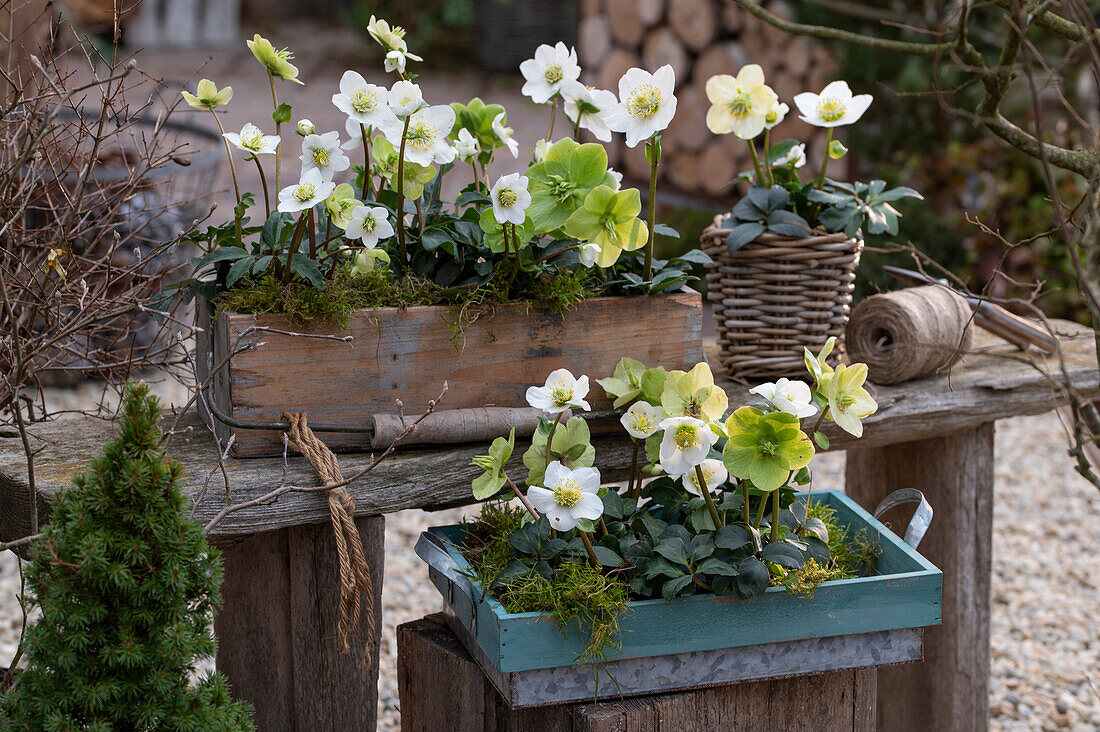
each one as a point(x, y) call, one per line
point(909, 596)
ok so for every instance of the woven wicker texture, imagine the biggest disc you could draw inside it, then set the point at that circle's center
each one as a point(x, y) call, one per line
point(776, 296)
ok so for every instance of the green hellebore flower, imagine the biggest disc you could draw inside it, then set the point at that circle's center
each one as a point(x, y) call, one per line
point(340, 203)
point(765, 448)
point(367, 259)
point(625, 384)
point(208, 96)
point(694, 394)
point(385, 162)
point(816, 365)
point(492, 480)
point(477, 118)
point(610, 220)
point(849, 402)
point(276, 62)
point(560, 183)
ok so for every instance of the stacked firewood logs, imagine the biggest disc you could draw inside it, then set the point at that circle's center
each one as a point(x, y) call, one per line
point(698, 38)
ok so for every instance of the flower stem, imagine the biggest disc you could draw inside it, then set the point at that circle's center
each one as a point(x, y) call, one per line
point(775, 515)
point(295, 241)
point(278, 131)
point(402, 252)
point(588, 547)
point(635, 493)
point(756, 162)
point(767, 157)
point(263, 182)
point(825, 160)
point(576, 129)
point(653, 143)
point(745, 492)
point(368, 186)
point(706, 497)
point(310, 229)
point(603, 527)
point(550, 437)
point(523, 499)
point(553, 114)
point(759, 514)
point(477, 181)
point(233, 172)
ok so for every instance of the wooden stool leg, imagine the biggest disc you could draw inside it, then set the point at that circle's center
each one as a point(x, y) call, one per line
point(277, 639)
point(949, 691)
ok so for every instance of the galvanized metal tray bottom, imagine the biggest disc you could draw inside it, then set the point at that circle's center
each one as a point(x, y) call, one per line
point(680, 671)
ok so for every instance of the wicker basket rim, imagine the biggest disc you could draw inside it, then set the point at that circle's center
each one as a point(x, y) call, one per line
point(717, 231)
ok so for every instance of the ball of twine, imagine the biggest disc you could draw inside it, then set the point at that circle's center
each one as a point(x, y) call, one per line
point(909, 333)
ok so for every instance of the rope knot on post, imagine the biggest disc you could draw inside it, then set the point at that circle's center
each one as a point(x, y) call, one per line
point(355, 581)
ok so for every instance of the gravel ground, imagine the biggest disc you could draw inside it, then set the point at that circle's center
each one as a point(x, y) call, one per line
point(1046, 585)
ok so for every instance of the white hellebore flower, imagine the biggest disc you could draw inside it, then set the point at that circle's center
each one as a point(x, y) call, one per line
point(306, 193)
point(322, 153)
point(550, 69)
point(740, 104)
point(795, 157)
point(364, 103)
point(617, 176)
point(466, 146)
point(560, 393)
point(588, 108)
point(686, 444)
point(396, 60)
point(777, 115)
point(253, 140)
point(641, 420)
point(404, 98)
point(589, 253)
point(646, 104)
point(541, 148)
point(510, 199)
point(504, 134)
point(714, 472)
point(569, 495)
point(427, 139)
point(833, 107)
point(305, 127)
point(370, 224)
point(792, 397)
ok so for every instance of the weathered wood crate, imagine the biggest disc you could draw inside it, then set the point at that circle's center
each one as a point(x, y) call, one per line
point(704, 639)
point(407, 354)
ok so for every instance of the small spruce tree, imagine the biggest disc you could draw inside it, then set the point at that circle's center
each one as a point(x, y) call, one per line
point(127, 586)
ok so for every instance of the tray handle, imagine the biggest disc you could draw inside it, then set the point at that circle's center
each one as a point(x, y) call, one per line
point(433, 551)
point(918, 525)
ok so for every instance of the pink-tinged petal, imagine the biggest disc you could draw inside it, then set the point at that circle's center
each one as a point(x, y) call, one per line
point(541, 499)
point(590, 507)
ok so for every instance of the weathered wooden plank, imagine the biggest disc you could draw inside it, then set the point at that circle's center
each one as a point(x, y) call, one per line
point(277, 640)
point(408, 353)
point(955, 472)
point(442, 688)
point(990, 384)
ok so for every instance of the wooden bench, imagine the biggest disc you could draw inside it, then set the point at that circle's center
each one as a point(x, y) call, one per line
point(276, 631)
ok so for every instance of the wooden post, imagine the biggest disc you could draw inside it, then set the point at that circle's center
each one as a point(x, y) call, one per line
point(442, 688)
point(949, 691)
point(277, 640)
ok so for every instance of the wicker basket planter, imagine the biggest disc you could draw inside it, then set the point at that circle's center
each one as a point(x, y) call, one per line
point(776, 296)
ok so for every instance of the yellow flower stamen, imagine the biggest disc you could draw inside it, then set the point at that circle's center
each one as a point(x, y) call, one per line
point(830, 109)
point(507, 197)
point(560, 395)
point(644, 101)
point(568, 493)
point(321, 157)
point(362, 102)
point(422, 134)
point(552, 74)
point(685, 437)
point(305, 191)
point(740, 105)
point(253, 142)
point(642, 422)
point(370, 224)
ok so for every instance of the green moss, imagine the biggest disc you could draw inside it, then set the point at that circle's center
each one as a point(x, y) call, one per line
point(345, 292)
point(851, 556)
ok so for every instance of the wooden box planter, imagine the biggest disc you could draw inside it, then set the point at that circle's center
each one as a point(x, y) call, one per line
point(407, 354)
point(701, 640)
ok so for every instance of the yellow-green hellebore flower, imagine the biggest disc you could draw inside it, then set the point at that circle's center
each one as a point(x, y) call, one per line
point(849, 402)
point(208, 96)
point(816, 365)
point(489, 483)
point(610, 220)
point(340, 204)
point(367, 259)
point(694, 394)
point(765, 447)
point(276, 62)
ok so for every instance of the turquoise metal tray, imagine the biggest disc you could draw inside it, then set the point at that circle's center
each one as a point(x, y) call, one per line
point(905, 595)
